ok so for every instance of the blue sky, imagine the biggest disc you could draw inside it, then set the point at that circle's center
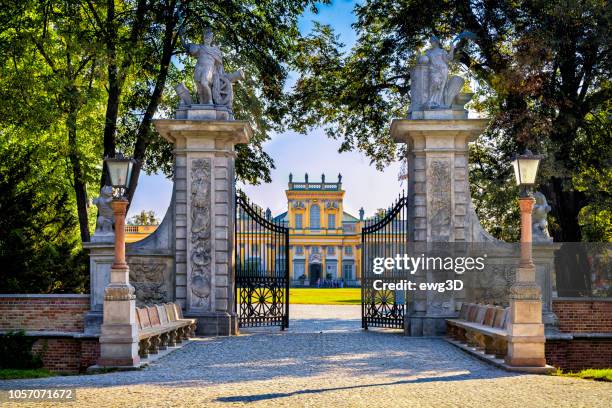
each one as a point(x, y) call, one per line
point(293, 153)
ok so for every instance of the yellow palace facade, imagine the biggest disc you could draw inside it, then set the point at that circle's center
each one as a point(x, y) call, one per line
point(324, 240)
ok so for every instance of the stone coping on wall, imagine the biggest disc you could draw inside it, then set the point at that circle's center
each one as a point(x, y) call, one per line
point(582, 299)
point(44, 296)
point(54, 334)
point(572, 336)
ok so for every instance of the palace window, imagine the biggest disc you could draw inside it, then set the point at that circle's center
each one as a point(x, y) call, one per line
point(314, 249)
point(331, 250)
point(299, 250)
point(332, 269)
point(348, 250)
point(331, 221)
point(347, 271)
point(298, 221)
point(315, 217)
point(298, 269)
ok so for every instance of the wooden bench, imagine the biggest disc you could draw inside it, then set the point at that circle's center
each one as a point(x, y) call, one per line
point(162, 326)
point(481, 326)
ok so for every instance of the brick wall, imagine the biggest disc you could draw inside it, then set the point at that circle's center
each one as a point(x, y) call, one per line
point(584, 316)
point(579, 316)
point(53, 313)
point(579, 354)
point(61, 313)
point(67, 355)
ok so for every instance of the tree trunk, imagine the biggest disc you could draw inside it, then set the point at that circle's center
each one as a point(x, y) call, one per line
point(80, 187)
point(565, 206)
point(144, 130)
point(114, 89)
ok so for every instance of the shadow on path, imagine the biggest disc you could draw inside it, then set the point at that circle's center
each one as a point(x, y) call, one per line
point(269, 396)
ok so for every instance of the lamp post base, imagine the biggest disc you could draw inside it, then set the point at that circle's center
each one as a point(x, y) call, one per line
point(119, 333)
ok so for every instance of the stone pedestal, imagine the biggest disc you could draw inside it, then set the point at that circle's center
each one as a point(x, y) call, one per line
point(440, 208)
point(101, 256)
point(204, 194)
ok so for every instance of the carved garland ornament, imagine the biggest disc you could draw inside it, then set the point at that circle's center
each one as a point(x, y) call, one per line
point(200, 255)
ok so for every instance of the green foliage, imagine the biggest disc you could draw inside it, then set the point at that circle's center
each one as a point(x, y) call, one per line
point(82, 79)
point(16, 351)
point(601, 374)
point(16, 374)
point(540, 69)
point(39, 250)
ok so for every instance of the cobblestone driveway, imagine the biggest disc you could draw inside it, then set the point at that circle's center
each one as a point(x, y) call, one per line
point(324, 360)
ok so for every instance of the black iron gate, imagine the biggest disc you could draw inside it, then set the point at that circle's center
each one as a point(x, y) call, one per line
point(262, 267)
point(384, 236)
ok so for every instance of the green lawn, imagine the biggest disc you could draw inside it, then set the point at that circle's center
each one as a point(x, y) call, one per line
point(325, 296)
point(13, 374)
point(604, 374)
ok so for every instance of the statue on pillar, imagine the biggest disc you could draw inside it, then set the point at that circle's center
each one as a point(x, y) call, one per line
point(214, 86)
point(431, 86)
point(540, 219)
point(104, 224)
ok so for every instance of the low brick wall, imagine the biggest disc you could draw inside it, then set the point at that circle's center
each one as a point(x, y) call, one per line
point(60, 313)
point(588, 324)
point(58, 323)
point(584, 316)
point(579, 354)
point(67, 355)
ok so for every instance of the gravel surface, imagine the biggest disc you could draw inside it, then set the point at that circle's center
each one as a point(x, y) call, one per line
point(323, 360)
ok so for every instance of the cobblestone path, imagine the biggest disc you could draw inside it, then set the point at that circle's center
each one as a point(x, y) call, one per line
point(324, 360)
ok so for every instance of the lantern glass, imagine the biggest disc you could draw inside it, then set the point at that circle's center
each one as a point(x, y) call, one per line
point(526, 168)
point(119, 171)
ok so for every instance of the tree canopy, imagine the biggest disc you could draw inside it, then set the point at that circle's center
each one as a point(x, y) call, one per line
point(541, 71)
point(83, 79)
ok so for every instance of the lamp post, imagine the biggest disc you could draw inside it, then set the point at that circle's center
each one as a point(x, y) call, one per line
point(119, 334)
point(525, 329)
point(525, 171)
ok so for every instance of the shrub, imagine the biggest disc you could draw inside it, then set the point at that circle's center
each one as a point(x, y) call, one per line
point(16, 351)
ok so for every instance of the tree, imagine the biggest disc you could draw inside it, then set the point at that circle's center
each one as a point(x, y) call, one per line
point(541, 69)
point(99, 71)
point(54, 37)
point(38, 238)
point(259, 37)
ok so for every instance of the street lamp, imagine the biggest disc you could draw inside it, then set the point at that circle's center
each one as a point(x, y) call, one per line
point(120, 172)
point(525, 170)
point(525, 329)
point(119, 334)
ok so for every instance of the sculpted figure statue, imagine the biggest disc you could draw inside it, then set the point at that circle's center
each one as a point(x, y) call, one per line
point(539, 219)
point(104, 223)
point(438, 60)
point(431, 87)
point(209, 57)
point(213, 84)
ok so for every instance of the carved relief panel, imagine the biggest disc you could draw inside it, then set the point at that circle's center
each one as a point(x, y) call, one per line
point(199, 281)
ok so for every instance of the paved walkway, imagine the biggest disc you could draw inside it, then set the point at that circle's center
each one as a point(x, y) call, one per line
point(324, 360)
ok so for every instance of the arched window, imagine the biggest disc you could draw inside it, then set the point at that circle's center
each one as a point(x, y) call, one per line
point(315, 216)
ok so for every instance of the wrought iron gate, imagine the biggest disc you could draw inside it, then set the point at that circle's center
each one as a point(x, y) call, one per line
point(383, 236)
point(262, 267)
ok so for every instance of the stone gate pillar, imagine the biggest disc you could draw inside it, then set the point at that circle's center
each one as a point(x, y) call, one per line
point(204, 191)
point(440, 208)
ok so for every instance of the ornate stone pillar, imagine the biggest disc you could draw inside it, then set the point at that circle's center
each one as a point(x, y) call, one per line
point(440, 208)
point(204, 192)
